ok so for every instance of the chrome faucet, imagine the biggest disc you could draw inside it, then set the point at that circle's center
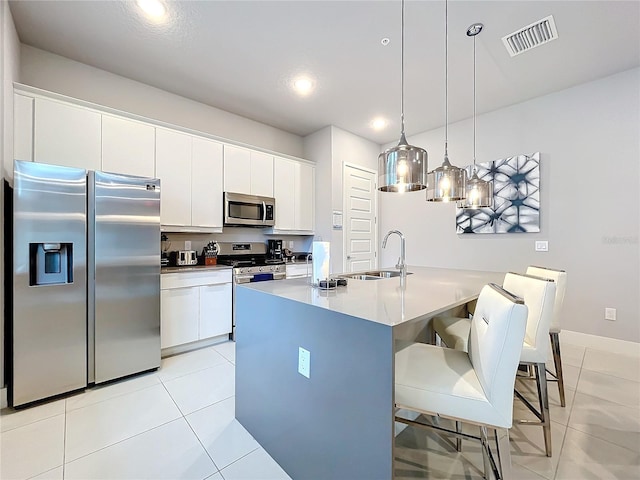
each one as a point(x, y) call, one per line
point(401, 265)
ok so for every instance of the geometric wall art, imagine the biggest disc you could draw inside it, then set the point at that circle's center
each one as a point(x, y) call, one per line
point(516, 198)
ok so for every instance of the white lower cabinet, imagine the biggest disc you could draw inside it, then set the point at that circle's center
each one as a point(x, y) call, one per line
point(194, 306)
point(298, 270)
point(215, 310)
point(179, 309)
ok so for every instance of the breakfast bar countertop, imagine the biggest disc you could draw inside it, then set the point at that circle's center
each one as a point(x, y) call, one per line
point(426, 291)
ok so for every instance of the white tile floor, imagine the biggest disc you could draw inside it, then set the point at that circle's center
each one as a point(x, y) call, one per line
point(178, 423)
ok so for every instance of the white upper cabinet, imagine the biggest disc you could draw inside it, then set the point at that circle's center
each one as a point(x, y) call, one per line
point(261, 174)
point(206, 183)
point(173, 168)
point(127, 146)
point(22, 128)
point(66, 135)
point(248, 171)
point(283, 189)
point(305, 195)
point(294, 186)
point(237, 168)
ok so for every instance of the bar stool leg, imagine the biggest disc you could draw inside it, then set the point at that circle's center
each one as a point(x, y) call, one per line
point(458, 439)
point(503, 452)
point(484, 440)
point(543, 397)
point(557, 361)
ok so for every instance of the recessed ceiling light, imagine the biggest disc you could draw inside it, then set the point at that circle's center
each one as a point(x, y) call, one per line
point(153, 9)
point(378, 123)
point(303, 85)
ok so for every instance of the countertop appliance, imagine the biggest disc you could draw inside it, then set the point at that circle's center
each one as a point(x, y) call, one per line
point(182, 258)
point(274, 250)
point(248, 210)
point(85, 303)
point(250, 264)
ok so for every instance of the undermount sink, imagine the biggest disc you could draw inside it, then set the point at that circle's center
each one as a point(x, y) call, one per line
point(375, 275)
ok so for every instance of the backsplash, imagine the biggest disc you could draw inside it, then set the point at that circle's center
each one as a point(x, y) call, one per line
point(295, 243)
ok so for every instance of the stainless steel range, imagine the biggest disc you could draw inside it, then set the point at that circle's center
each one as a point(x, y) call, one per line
point(250, 264)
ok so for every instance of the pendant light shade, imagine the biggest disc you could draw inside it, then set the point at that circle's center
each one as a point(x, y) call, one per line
point(479, 193)
point(402, 168)
point(447, 182)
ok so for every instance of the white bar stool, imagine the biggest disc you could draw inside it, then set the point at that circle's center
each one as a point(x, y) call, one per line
point(474, 387)
point(560, 279)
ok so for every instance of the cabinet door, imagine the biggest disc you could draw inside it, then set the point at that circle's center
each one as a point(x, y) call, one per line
point(284, 192)
point(66, 135)
point(173, 168)
point(261, 174)
point(215, 310)
point(127, 147)
point(22, 128)
point(206, 183)
point(305, 183)
point(237, 170)
point(179, 309)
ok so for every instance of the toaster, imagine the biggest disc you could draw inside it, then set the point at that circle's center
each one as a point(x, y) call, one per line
point(184, 257)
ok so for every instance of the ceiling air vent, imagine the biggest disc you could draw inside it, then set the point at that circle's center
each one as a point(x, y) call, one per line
point(531, 36)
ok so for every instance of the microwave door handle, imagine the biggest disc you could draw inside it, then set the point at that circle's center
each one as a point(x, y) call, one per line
point(264, 212)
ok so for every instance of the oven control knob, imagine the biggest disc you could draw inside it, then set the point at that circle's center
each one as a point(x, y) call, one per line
point(261, 269)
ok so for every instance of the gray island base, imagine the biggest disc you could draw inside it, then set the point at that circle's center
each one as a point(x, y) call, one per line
point(339, 422)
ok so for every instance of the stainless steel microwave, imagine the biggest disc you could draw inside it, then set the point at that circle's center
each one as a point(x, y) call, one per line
point(248, 210)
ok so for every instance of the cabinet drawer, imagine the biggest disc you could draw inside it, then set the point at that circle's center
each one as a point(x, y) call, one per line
point(194, 279)
point(300, 270)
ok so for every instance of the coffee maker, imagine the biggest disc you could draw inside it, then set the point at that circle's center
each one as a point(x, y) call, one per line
point(274, 250)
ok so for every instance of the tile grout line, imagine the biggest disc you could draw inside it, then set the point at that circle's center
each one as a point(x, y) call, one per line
point(564, 437)
point(64, 440)
point(194, 432)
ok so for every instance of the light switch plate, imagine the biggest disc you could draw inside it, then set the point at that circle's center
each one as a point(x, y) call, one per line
point(542, 245)
point(610, 314)
point(304, 362)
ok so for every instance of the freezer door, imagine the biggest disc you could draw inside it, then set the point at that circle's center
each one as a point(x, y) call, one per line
point(49, 322)
point(127, 274)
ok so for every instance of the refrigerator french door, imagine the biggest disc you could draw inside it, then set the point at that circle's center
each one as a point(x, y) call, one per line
point(124, 275)
point(49, 322)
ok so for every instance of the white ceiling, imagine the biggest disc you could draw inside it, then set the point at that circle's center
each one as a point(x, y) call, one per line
point(240, 55)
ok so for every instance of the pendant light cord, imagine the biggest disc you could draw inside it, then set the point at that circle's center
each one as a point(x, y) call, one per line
point(402, 72)
point(474, 104)
point(446, 79)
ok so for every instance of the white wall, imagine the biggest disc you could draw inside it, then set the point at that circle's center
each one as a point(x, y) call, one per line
point(9, 69)
point(330, 148)
point(589, 137)
point(61, 75)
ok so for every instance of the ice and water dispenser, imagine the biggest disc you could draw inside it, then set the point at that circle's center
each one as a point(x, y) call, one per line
point(50, 263)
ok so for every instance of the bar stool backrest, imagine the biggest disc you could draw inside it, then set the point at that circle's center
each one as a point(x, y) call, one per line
point(560, 279)
point(495, 344)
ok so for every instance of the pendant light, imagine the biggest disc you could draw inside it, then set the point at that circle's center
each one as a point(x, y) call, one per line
point(447, 182)
point(479, 193)
point(402, 168)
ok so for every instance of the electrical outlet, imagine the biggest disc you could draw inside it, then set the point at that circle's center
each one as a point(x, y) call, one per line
point(610, 314)
point(542, 245)
point(187, 244)
point(290, 243)
point(304, 362)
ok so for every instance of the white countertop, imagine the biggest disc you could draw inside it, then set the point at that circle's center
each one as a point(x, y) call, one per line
point(427, 291)
point(194, 268)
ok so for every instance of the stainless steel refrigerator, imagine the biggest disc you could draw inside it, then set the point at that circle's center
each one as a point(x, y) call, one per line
point(86, 279)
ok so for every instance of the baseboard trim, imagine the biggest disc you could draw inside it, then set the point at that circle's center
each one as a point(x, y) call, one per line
point(596, 342)
point(3, 398)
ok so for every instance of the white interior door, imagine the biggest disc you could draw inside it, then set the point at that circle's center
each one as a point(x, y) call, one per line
point(360, 230)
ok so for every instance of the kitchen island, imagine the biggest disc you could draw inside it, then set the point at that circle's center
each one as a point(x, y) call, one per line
point(337, 423)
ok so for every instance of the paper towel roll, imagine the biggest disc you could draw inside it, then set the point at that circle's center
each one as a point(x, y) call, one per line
point(321, 261)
